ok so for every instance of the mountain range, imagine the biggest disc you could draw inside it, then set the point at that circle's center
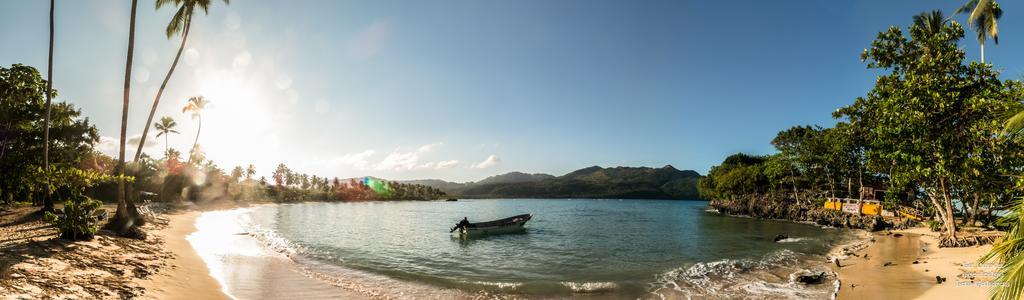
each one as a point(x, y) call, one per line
point(593, 182)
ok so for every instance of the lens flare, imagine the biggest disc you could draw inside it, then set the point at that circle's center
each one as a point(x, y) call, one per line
point(379, 187)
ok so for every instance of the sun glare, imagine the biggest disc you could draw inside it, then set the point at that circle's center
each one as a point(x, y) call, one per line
point(239, 116)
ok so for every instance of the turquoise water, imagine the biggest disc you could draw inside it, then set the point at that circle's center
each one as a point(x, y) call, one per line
point(571, 248)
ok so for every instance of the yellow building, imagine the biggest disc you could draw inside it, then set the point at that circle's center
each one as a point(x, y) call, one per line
point(866, 207)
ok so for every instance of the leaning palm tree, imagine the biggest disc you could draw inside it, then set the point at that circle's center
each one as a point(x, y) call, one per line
point(127, 216)
point(1008, 252)
point(47, 199)
point(195, 105)
point(180, 24)
point(983, 15)
point(165, 128)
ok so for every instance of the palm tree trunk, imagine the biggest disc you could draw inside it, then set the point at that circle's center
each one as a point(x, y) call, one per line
point(196, 142)
point(160, 92)
point(982, 52)
point(126, 216)
point(47, 199)
point(165, 144)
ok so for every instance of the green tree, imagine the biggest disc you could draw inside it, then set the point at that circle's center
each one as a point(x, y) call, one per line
point(983, 15)
point(165, 128)
point(930, 115)
point(236, 174)
point(22, 110)
point(249, 171)
point(281, 175)
point(180, 24)
point(195, 106)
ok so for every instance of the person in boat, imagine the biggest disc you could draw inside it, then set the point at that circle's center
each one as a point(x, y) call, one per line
point(461, 224)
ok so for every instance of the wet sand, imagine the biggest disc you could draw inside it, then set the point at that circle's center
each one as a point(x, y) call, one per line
point(871, 278)
point(188, 278)
point(247, 268)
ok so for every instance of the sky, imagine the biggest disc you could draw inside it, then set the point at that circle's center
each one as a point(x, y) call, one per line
point(462, 90)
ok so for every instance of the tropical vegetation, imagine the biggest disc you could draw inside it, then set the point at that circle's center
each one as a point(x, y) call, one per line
point(928, 134)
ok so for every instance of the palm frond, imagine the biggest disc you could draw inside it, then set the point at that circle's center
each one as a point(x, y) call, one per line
point(967, 7)
point(1014, 124)
point(162, 3)
point(177, 22)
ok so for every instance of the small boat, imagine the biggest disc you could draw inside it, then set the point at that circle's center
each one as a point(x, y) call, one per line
point(506, 225)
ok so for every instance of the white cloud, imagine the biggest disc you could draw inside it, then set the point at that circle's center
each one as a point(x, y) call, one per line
point(108, 145)
point(356, 160)
point(428, 147)
point(399, 161)
point(487, 163)
point(446, 164)
point(111, 145)
point(396, 160)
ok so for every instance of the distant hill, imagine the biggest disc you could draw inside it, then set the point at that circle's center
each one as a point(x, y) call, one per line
point(594, 182)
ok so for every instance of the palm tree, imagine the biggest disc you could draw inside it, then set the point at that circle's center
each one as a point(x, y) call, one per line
point(173, 154)
point(196, 105)
point(930, 23)
point(249, 171)
point(165, 128)
point(983, 15)
point(127, 216)
point(1008, 252)
point(47, 200)
point(180, 24)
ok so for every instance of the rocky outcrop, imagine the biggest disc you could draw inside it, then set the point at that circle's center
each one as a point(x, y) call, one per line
point(784, 209)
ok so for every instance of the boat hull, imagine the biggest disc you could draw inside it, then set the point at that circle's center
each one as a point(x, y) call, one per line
point(508, 225)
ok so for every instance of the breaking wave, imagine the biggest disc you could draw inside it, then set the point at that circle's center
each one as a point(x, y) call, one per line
point(771, 277)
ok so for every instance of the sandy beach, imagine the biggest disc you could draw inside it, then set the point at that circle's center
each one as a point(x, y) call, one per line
point(904, 265)
point(36, 265)
point(188, 277)
point(880, 265)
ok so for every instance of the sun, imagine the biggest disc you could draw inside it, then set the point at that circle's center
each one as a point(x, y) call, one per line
point(238, 124)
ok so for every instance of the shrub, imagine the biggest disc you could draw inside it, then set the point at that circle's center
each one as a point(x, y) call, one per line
point(78, 221)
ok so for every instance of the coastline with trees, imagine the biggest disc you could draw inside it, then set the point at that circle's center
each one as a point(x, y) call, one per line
point(937, 137)
point(936, 142)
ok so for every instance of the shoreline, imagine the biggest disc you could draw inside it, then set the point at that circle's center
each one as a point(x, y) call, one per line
point(903, 264)
point(244, 266)
point(188, 276)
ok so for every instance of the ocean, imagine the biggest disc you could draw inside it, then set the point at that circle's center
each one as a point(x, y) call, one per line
point(572, 248)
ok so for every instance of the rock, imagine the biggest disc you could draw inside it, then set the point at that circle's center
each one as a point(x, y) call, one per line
point(916, 262)
point(812, 279)
point(939, 279)
point(780, 237)
point(888, 263)
point(897, 235)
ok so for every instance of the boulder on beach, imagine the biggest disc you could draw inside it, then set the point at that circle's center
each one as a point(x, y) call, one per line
point(812, 279)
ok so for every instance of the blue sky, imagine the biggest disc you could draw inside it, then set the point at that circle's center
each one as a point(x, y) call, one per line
point(461, 90)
